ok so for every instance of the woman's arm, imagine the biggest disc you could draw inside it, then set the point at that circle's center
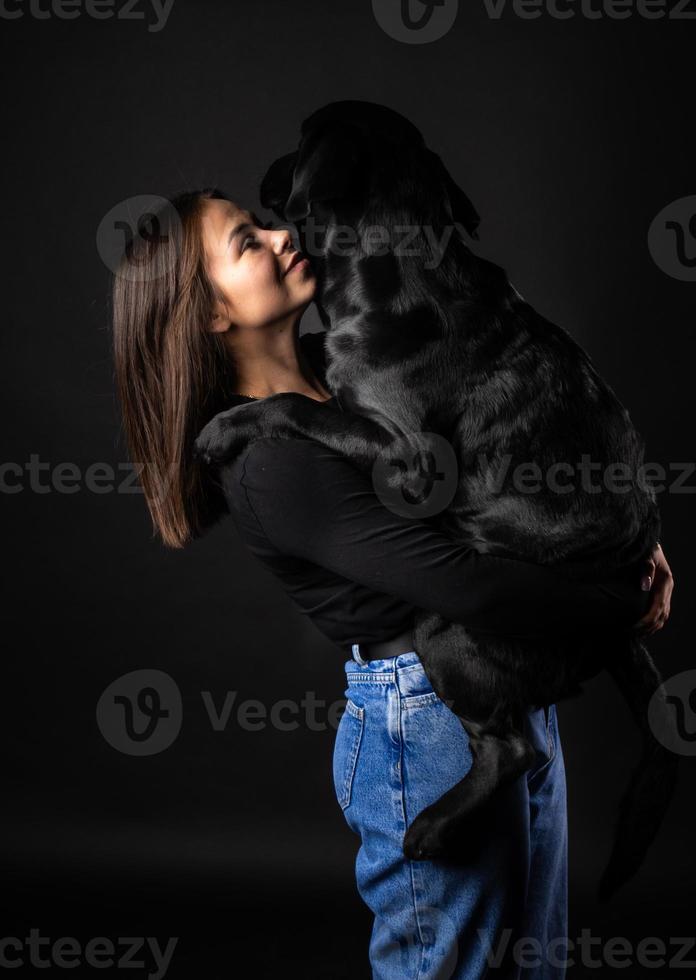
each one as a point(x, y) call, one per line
point(313, 504)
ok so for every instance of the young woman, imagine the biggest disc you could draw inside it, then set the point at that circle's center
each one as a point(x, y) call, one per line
point(211, 321)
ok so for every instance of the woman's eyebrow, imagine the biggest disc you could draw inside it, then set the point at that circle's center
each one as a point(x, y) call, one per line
point(244, 225)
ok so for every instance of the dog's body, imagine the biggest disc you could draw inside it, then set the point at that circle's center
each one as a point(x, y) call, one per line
point(443, 344)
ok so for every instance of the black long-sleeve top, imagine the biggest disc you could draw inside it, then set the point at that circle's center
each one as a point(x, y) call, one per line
point(361, 572)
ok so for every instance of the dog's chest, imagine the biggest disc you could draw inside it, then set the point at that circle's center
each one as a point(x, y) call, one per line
point(379, 393)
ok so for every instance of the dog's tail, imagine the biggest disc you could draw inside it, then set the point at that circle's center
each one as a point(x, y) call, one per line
point(653, 781)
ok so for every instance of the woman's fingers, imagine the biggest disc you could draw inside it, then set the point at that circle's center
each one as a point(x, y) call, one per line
point(646, 583)
point(662, 583)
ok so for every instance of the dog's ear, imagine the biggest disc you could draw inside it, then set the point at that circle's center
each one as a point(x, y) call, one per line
point(325, 167)
point(276, 186)
point(461, 208)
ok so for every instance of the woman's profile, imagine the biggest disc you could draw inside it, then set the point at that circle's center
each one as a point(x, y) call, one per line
point(215, 321)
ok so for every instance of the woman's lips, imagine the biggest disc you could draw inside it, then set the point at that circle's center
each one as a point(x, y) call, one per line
point(302, 264)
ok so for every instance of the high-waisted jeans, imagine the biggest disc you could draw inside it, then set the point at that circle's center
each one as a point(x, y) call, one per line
point(502, 911)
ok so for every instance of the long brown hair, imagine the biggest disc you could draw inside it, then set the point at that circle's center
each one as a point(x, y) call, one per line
point(171, 374)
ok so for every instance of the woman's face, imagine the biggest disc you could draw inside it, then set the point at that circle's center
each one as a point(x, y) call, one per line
point(249, 263)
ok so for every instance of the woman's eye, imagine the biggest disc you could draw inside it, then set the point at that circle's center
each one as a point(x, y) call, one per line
point(249, 238)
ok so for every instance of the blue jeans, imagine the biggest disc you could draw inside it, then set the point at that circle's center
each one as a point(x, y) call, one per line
point(501, 911)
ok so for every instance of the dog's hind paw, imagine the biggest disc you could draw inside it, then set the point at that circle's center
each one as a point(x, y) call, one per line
point(429, 838)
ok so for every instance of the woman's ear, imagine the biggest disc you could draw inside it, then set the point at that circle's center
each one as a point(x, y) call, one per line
point(219, 321)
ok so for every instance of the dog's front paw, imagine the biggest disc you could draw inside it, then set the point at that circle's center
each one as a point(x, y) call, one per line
point(226, 435)
point(229, 432)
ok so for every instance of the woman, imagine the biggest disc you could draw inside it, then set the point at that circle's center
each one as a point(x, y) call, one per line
point(211, 321)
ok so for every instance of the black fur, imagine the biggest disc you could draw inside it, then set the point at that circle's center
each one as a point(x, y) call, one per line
point(441, 342)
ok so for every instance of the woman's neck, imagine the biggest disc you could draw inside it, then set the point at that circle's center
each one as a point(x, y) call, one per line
point(270, 362)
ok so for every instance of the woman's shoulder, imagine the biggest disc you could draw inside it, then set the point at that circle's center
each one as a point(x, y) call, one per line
point(278, 454)
point(284, 465)
point(276, 473)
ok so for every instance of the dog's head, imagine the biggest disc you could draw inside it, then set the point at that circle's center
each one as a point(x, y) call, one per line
point(352, 152)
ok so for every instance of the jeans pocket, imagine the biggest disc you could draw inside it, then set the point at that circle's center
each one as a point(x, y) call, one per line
point(435, 751)
point(346, 749)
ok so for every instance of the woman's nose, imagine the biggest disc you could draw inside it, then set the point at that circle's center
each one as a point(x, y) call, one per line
point(283, 240)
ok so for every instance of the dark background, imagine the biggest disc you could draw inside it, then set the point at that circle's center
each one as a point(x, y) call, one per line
point(570, 136)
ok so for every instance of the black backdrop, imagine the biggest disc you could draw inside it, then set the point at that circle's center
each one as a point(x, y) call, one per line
point(570, 136)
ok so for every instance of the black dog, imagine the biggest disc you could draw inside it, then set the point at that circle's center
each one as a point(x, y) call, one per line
point(429, 339)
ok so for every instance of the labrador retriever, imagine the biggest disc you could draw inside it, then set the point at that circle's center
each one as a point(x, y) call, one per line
point(430, 345)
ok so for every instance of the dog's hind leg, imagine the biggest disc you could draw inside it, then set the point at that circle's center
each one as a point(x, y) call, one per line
point(499, 755)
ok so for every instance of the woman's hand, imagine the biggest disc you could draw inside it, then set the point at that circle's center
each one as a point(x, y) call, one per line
point(662, 585)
